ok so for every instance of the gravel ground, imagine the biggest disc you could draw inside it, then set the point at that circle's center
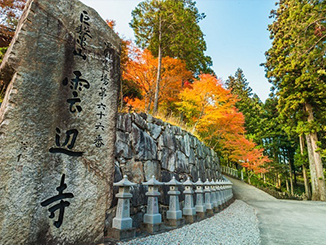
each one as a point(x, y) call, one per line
point(238, 224)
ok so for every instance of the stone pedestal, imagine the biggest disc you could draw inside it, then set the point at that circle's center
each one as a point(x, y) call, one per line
point(201, 215)
point(208, 203)
point(151, 228)
point(174, 213)
point(229, 190)
point(219, 195)
point(242, 175)
point(213, 195)
point(189, 219)
point(223, 194)
point(189, 211)
point(210, 212)
point(200, 206)
point(121, 234)
point(152, 215)
point(175, 222)
point(122, 220)
point(122, 223)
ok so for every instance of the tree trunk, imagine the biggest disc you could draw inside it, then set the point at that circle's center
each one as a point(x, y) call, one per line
point(316, 167)
point(304, 171)
point(291, 174)
point(306, 182)
point(249, 177)
point(276, 181)
point(314, 184)
point(121, 95)
point(291, 184)
point(149, 105)
point(279, 181)
point(287, 186)
point(201, 114)
point(158, 78)
point(181, 113)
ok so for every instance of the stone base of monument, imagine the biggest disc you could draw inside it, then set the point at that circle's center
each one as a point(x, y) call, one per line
point(216, 209)
point(189, 219)
point(175, 222)
point(151, 228)
point(121, 234)
point(200, 216)
point(209, 212)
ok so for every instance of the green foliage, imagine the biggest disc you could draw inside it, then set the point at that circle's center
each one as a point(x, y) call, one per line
point(276, 141)
point(2, 88)
point(296, 62)
point(3, 50)
point(295, 65)
point(131, 89)
point(181, 35)
point(301, 159)
point(248, 103)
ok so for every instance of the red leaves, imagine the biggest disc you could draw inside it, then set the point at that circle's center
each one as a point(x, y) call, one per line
point(211, 110)
point(142, 69)
point(11, 10)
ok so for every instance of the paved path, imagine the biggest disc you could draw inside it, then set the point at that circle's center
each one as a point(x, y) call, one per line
point(284, 221)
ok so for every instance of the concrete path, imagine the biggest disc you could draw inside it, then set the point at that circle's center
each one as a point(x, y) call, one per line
point(284, 221)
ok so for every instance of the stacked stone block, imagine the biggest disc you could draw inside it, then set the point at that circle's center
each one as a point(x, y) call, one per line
point(147, 146)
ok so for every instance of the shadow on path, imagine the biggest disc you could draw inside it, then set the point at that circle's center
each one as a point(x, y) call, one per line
point(284, 221)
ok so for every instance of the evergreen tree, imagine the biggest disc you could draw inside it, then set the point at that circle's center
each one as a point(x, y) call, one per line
point(170, 28)
point(277, 143)
point(248, 103)
point(296, 67)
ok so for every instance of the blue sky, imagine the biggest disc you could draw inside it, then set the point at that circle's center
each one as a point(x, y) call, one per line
point(235, 32)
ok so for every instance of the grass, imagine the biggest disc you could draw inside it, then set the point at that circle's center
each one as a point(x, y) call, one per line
point(176, 121)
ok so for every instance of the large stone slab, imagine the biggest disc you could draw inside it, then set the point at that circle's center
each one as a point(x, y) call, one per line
point(57, 125)
point(143, 144)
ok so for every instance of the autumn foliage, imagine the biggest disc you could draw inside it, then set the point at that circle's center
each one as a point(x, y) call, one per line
point(211, 110)
point(204, 104)
point(10, 11)
point(143, 71)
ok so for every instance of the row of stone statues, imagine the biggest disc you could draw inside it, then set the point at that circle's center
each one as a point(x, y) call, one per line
point(211, 196)
point(230, 171)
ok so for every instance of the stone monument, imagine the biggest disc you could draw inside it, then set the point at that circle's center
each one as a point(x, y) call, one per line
point(200, 205)
point(214, 196)
point(222, 192)
point(152, 218)
point(208, 202)
point(218, 195)
point(57, 125)
point(189, 211)
point(174, 214)
point(122, 223)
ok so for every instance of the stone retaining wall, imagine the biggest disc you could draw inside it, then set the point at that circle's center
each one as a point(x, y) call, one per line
point(147, 146)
